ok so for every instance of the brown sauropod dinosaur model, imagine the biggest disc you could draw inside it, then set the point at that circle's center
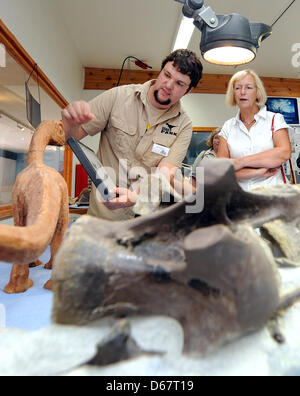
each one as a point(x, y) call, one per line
point(40, 211)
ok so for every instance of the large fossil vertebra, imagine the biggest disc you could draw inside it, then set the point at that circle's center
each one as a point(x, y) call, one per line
point(211, 271)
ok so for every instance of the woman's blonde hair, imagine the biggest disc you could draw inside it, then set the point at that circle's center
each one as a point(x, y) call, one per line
point(261, 92)
point(210, 139)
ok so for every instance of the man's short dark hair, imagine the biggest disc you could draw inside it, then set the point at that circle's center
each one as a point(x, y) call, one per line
point(187, 62)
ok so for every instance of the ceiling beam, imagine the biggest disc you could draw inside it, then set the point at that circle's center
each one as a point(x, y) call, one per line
point(103, 79)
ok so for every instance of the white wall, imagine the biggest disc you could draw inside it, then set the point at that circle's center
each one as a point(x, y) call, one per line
point(35, 23)
point(205, 110)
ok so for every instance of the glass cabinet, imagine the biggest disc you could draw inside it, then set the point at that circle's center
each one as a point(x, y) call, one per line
point(15, 130)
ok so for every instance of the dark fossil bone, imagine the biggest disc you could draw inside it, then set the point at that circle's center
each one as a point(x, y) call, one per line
point(210, 271)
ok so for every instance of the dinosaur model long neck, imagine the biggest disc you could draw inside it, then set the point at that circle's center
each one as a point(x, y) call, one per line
point(49, 132)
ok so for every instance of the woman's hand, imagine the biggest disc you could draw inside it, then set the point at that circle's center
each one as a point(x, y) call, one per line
point(270, 172)
point(250, 173)
point(238, 164)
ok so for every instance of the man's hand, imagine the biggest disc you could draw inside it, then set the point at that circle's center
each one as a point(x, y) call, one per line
point(73, 116)
point(125, 199)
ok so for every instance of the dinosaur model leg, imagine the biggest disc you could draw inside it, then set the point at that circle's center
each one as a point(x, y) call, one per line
point(19, 276)
point(60, 231)
point(19, 280)
point(35, 263)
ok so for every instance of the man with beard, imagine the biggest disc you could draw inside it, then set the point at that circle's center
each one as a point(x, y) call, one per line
point(142, 127)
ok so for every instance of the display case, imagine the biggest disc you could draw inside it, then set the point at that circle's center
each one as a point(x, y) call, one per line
point(15, 130)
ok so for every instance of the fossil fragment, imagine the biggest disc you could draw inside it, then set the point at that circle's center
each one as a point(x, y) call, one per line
point(210, 271)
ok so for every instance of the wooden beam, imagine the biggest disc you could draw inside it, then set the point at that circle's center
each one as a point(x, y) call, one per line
point(68, 168)
point(6, 211)
point(203, 129)
point(103, 79)
point(286, 87)
point(81, 211)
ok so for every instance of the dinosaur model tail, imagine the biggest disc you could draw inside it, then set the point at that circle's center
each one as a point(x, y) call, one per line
point(35, 201)
point(22, 245)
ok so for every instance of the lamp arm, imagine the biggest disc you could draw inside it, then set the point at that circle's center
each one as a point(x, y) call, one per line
point(195, 9)
point(208, 16)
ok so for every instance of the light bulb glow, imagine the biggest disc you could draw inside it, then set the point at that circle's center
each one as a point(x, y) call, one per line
point(229, 56)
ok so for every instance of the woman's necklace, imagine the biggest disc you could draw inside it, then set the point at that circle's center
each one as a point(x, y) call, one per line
point(247, 114)
point(248, 123)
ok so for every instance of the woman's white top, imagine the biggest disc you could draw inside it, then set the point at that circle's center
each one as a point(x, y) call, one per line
point(242, 142)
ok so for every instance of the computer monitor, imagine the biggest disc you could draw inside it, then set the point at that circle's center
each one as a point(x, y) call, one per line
point(288, 107)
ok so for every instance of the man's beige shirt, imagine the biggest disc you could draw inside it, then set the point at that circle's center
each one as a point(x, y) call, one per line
point(129, 127)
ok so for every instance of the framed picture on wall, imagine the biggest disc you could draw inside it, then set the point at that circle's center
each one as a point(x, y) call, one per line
point(198, 144)
point(288, 107)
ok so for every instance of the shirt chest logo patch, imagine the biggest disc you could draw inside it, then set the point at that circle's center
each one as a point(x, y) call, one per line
point(168, 130)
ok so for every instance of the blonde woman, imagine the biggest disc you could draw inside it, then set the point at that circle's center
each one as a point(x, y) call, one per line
point(213, 144)
point(256, 139)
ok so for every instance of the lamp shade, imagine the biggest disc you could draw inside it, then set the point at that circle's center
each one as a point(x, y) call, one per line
point(234, 41)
